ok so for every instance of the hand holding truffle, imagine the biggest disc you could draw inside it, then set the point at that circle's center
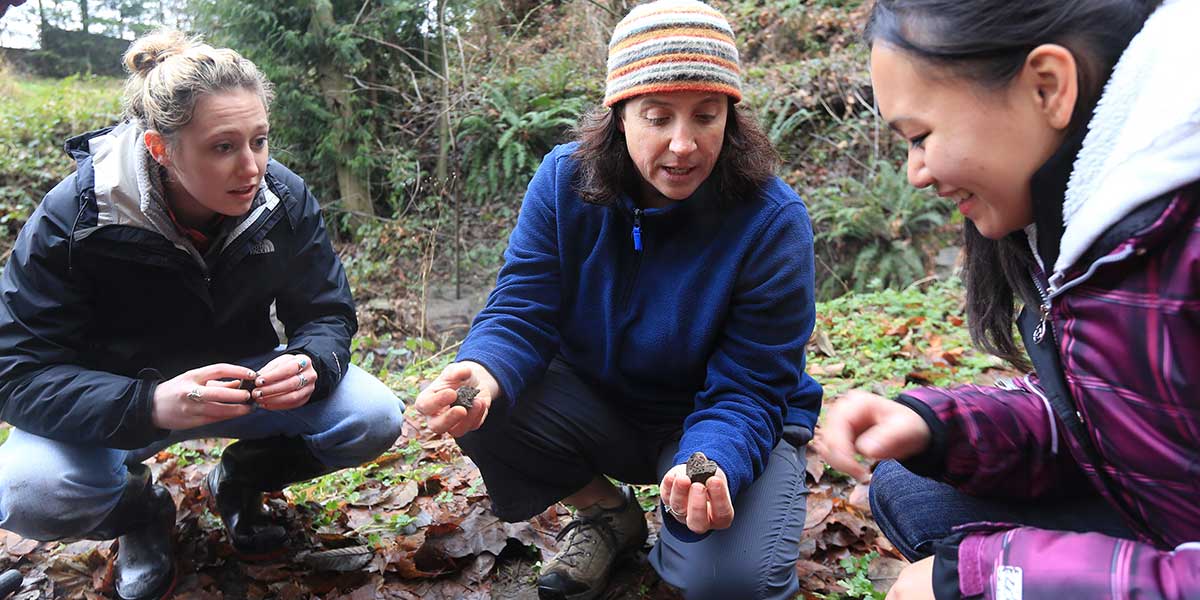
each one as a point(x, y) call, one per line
point(696, 493)
point(457, 401)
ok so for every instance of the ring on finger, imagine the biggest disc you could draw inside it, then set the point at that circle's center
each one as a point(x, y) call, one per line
point(195, 395)
point(670, 511)
point(301, 365)
point(303, 382)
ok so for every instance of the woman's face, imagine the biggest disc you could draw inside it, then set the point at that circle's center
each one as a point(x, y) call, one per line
point(218, 158)
point(973, 145)
point(674, 140)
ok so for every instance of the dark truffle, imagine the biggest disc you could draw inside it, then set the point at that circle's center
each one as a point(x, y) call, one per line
point(466, 397)
point(247, 384)
point(699, 468)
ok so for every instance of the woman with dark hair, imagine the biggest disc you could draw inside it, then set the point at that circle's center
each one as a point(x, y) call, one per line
point(1068, 134)
point(135, 312)
point(655, 302)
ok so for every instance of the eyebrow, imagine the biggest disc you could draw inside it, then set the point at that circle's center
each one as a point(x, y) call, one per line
point(263, 126)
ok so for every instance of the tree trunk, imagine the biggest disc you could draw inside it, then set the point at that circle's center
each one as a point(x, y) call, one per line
point(355, 189)
point(444, 142)
point(83, 15)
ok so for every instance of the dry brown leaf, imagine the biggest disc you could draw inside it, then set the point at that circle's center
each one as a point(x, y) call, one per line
point(819, 508)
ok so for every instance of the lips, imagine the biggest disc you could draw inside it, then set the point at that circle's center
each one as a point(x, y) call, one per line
point(242, 191)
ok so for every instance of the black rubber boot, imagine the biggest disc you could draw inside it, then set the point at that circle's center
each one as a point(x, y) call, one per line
point(235, 488)
point(142, 522)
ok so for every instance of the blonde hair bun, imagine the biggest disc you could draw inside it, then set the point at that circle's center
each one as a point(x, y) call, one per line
point(151, 50)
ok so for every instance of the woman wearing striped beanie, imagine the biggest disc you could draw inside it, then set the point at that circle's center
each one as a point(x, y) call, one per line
point(655, 303)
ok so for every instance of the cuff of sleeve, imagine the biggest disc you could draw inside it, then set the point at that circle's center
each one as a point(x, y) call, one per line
point(678, 530)
point(330, 367)
point(945, 568)
point(932, 462)
point(137, 428)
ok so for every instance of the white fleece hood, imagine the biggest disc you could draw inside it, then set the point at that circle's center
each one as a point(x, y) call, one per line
point(1144, 139)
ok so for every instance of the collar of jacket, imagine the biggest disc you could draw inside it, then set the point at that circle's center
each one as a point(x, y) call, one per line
point(703, 199)
point(1047, 187)
point(108, 163)
point(1143, 139)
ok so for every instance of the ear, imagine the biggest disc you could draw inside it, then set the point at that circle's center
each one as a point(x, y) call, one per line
point(1053, 74)
point(621, 118)
point(157, 146)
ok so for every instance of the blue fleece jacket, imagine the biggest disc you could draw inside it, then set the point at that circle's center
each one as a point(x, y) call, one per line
point(696, 313)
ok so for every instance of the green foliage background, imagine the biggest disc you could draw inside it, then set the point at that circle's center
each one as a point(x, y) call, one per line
point(364, 89)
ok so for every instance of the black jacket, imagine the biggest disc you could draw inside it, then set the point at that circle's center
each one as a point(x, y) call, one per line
point(98, 303)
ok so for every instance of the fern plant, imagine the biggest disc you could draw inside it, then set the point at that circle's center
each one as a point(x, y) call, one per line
point(870, 233)
point(517, 121)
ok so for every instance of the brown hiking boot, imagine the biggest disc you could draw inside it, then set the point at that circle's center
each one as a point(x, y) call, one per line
point(591, 544)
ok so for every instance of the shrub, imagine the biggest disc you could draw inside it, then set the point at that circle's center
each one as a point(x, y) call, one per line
point(36, 117)
point(872, 233)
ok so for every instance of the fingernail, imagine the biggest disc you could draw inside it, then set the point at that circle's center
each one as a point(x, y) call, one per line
point(258, 393)
point(262, 381)
point(251, 374)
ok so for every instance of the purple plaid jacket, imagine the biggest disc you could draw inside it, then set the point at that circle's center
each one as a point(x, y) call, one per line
point(1123, 353)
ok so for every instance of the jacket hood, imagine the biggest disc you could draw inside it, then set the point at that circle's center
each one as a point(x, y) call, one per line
point(1144, 138)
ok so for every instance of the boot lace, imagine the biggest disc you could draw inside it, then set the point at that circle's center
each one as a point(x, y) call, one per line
point(587, 531)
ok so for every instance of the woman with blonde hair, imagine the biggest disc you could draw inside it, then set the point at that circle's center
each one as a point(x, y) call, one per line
point(135, 312)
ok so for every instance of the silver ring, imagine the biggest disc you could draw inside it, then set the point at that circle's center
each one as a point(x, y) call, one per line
point(303, 382)
point(670, 511)
point(195, 395)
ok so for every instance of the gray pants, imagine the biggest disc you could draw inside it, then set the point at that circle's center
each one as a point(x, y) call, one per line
point(562, 433)
point(52, 490)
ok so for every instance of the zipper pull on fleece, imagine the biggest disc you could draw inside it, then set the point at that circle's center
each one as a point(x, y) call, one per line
point(637, 230)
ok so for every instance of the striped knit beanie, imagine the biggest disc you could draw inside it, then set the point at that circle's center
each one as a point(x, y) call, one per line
point(672, 46)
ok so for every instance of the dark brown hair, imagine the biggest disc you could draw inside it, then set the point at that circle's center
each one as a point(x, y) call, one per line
point(986, 42)
point(747, 159)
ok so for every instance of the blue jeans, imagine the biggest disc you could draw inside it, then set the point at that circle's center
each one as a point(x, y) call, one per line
point(915, 512)
point(562, 433)
point(52, 490)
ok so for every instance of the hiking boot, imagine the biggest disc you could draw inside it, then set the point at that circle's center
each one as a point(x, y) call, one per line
point(142, 522)
point(591, 543)
point(235, 488)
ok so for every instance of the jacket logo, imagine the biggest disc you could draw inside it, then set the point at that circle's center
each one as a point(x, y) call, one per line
point(263, 247)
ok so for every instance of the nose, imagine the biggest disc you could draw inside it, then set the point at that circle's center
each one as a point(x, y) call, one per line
point(248, 162)
point(683, 141)
point(918, 172)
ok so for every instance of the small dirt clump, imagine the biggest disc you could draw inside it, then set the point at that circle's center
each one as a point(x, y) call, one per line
point(466, 397)
point(699, 468)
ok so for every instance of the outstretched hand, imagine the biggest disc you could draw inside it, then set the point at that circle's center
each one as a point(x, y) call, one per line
point(870, 425)
point(700, 506)
point(434, 401)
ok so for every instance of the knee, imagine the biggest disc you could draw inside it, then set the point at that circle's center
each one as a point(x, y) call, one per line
point(48, 503)
point(374, 422)
point(886, 484)
point(891, 501)
point(739, 575)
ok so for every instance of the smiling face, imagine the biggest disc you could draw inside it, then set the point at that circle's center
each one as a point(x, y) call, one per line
point(674, 140)
point(974, 145)
point(218, 159)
